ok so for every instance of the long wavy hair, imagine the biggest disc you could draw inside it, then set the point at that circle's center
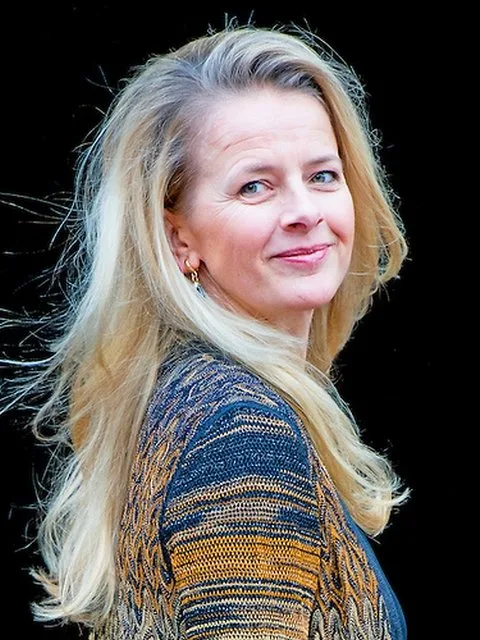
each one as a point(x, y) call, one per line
point(127, 303)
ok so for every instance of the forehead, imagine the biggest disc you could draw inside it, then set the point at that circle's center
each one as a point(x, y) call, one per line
point(263, 118)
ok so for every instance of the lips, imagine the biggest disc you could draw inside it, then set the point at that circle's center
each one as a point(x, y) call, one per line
point(302, 251)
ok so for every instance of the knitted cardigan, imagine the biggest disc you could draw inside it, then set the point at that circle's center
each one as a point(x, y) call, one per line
point(233, 528)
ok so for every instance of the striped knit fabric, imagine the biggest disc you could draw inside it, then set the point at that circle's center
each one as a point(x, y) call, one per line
point(233, 528)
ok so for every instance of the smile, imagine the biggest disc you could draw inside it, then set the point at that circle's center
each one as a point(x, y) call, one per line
point(308, 256)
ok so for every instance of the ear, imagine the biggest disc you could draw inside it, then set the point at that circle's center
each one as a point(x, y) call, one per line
point(181, 240)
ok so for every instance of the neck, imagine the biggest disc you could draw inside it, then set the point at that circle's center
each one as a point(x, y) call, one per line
point(298, 326)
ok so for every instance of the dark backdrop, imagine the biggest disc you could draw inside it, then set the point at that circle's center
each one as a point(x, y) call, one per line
point(57, 65)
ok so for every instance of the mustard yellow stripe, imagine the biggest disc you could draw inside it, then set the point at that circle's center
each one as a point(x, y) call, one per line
point(227, 557)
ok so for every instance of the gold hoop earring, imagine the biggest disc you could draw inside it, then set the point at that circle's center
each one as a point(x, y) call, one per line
point(194, 278)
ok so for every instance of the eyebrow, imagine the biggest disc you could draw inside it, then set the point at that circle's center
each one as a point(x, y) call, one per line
point(260, 167)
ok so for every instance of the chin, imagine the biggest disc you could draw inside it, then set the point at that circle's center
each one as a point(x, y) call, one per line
point(314, 301)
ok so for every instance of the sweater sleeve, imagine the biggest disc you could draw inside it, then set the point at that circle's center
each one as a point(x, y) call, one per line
point(241, 529)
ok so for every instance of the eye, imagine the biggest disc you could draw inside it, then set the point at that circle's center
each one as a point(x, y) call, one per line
point(325, 177)
point(254, 188)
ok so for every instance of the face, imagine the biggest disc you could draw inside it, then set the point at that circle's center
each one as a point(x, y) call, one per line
point(269, 220)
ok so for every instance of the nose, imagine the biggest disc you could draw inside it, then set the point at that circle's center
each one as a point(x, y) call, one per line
point(302, 209)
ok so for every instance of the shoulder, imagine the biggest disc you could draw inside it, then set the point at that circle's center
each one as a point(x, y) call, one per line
point(200, 382)
point(246, 455)
point(244, 439)
point(205, 403)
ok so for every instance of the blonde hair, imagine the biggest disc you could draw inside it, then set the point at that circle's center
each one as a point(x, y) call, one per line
point(128, 303)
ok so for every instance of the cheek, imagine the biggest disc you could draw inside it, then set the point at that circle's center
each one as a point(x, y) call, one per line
point(342, 222)
point(349, 225)
point(238, 239)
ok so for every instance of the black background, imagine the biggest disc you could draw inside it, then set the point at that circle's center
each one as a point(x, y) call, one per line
point(57, 65)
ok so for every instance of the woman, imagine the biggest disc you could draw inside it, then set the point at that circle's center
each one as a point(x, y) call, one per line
point(236, 224)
